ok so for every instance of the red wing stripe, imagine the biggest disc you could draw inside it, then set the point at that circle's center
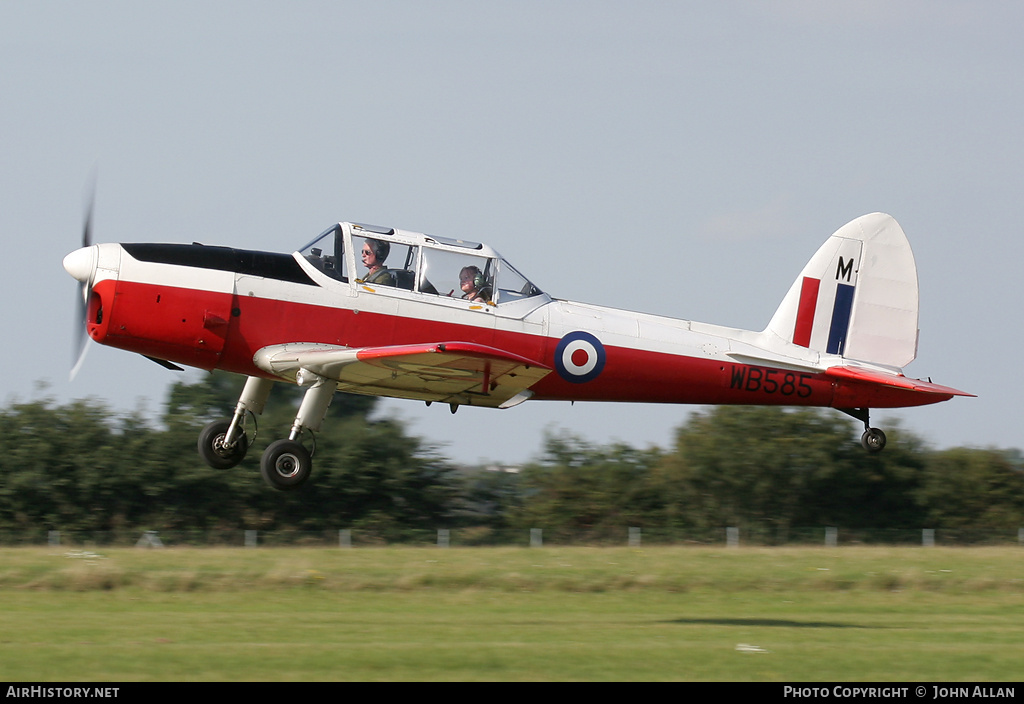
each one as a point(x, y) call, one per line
point(463, 349)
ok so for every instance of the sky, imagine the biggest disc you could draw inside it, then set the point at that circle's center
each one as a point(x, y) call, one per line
point(679, 158)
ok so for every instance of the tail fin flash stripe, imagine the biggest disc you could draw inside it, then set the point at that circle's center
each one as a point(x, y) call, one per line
point(805, 311)
point(840, 318)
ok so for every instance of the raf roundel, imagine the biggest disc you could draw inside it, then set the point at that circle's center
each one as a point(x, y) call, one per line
point(579, 357)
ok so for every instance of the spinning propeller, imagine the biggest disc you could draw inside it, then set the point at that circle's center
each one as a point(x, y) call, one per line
point(81, 264)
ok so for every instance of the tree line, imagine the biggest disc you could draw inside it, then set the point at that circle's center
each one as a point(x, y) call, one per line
point(80, 467)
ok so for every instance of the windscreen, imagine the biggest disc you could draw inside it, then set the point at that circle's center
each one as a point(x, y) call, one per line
point(327, 253)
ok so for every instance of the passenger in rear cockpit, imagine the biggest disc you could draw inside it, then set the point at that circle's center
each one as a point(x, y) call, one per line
point(374, 254)
point(474, 285)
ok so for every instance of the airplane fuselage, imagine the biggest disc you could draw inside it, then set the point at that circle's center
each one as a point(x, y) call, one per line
point(213, 307)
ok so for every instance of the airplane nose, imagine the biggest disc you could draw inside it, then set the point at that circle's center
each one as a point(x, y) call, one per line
point(80, 263)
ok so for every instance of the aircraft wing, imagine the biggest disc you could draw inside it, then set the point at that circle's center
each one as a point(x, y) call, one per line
point(896, 380)
point(449, 372)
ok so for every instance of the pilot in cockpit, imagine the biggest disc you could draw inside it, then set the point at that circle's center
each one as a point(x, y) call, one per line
point(474, 285)
point(374, 254)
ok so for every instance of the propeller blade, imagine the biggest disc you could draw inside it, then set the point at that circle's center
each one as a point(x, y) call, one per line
point(81, 342)
point(82, 347)
point(87, 226)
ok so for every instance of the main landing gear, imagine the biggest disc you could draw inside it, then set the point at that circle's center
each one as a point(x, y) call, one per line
point(873, 439)
point(286, 464)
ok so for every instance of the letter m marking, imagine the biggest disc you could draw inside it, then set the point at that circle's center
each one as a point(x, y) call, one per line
point(844, 270)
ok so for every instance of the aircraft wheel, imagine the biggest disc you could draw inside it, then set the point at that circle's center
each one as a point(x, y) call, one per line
point(211, 446)
point(286, 465)
point(873, 440)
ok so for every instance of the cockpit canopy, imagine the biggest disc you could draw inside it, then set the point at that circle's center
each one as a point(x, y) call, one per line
point(416, 262)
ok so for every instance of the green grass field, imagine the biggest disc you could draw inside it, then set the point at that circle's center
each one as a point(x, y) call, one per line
point(665, 613)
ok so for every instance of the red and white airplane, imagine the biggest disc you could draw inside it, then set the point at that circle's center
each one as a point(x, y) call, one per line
point(386, 312)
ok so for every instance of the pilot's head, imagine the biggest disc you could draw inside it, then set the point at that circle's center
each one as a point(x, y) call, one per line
point(374, 253)
point(471, 279)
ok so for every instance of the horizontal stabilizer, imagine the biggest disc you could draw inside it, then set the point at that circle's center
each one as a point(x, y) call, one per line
point(896, 380)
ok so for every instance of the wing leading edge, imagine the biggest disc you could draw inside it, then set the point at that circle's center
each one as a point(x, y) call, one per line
point(448, 372)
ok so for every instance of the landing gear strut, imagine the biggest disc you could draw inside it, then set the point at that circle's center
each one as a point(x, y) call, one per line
point(286, 464)
point(223, 443)
point(873, 439)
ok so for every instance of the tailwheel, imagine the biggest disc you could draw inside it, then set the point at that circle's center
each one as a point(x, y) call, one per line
point(286, 465)
point(873, 440)
point(215, 451)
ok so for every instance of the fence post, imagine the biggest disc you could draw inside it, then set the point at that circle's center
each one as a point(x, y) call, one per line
point(732, 537)
point(149, 539)
point(634, 537)
point(831, 536)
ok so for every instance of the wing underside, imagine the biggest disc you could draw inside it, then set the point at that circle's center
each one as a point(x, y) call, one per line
point(449, 372)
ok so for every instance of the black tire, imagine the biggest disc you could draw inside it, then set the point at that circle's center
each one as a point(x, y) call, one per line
point(873, 440)
point(286, 465)
point(214, 453)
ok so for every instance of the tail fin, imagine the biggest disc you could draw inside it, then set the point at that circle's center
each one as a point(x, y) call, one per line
point(857, 297)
